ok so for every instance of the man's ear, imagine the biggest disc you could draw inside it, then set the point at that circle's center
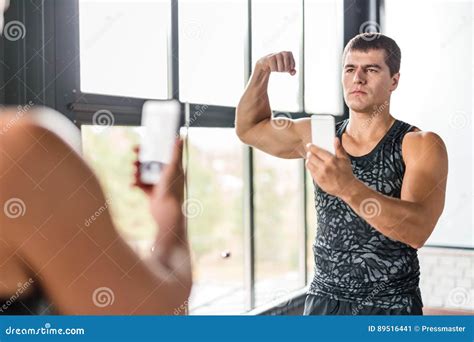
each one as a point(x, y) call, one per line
point(395, 80)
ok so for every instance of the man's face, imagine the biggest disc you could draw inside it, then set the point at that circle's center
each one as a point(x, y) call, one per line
point(367, 72)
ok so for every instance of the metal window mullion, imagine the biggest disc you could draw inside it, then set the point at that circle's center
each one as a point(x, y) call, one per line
point(173, 52)
point(303, 228)
point(248, 205)
point(302, 222)
point(381, 15)
point(249, 230)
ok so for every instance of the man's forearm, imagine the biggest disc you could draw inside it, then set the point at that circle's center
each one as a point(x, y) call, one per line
point(171, 254)
point(395, 218)
point(254, 106)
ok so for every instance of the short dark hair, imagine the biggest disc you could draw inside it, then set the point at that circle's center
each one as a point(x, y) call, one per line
point(376, 41)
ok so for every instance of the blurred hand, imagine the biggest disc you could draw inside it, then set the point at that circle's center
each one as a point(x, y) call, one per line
point(166, 197)
point(278, 62)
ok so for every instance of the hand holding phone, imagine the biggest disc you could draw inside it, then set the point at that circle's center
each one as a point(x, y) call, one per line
point(160, 121)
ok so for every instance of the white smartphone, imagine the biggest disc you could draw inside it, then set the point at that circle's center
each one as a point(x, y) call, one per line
point(323, 131)
point(160, 121)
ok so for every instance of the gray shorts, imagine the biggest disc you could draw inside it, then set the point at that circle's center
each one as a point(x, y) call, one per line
point(323, 305)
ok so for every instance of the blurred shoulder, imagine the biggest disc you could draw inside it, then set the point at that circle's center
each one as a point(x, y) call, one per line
point(26, 124)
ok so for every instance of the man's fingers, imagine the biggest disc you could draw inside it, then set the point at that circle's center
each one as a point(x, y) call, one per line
point(174, 170)
point(309, 166)
point(286, 61)
point(289, 62)
point(146, 188)
point(292, 65)
point(314, 161)
point(273, 64)
point(280, 62)
point(177, 158)
point(292, 62)
point(321, 153)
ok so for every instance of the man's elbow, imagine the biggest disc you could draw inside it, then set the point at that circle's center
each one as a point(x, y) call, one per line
point(419, 241)
point(245, 133)
point(241, 133)
point(241, 130)
point(417, 244)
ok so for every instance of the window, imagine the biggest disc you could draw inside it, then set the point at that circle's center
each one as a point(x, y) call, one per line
point(323, 47)
point(215, 226)
point(435, 94)
point(278, 225)
point(124, 47)
point(277, 26)
point(109, 151)
point(211, 51)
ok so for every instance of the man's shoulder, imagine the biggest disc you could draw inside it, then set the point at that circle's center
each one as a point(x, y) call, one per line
point(417, 137)
point(418, 144)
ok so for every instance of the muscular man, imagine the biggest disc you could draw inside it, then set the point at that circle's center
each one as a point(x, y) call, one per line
point(377, 199)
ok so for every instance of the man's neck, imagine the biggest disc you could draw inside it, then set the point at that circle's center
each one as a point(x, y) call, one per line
point(369, 126)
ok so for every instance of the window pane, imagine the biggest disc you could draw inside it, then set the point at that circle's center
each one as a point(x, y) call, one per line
point(277, 221)
point(435, 94)
point(276, 26)
point(323, 51)
point(123, 47)
point(211, 51)
point(215, 225)
point(109, 151)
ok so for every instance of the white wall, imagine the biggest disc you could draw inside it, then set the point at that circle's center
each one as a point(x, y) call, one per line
point(435, 93)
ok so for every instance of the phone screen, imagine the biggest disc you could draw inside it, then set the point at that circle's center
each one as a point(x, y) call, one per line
point(323, 131)
point(160, 121)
